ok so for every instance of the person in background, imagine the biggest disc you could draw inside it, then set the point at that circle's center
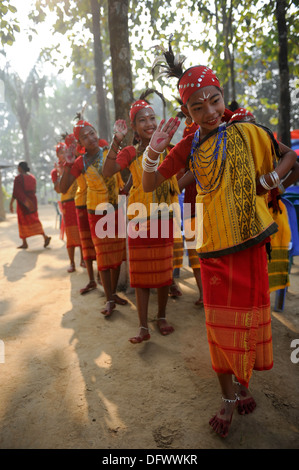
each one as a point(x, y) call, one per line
point(24, 192)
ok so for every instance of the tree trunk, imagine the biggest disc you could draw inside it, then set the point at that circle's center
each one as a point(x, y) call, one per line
point(284, 95)
point(103, 124)
point(120, 56)
point(26, 147)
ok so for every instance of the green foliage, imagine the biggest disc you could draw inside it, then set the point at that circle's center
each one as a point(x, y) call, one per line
point(8, 27)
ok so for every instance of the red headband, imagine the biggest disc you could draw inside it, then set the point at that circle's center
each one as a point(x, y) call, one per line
point(195, 78)
point(242, 114)
point(79, 126)
point(137, 106)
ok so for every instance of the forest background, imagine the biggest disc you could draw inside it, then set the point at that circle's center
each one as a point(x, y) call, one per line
point(99, 56)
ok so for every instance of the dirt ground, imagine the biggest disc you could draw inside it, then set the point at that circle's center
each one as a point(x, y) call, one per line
point(70, 379)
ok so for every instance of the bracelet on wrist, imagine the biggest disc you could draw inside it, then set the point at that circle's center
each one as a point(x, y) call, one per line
point(148, 164)
point(116, 141)
point(156, 151)
point(281, 188)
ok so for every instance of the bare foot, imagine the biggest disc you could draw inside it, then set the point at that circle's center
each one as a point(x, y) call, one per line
point(24, 246)
point(90, 286)
point(222, 420)
point(142, 336)
point(72, 268)
point(164, 327)
point(118, 300)
point(110, 306)
point(174, 291)
point(246, 404)
point(47, 241)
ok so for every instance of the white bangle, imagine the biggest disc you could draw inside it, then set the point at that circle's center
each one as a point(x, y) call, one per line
point(264, 183)
point(275, 178)
point(156, 151)
point(145, 153)
point(149, 168)
point(148, 164)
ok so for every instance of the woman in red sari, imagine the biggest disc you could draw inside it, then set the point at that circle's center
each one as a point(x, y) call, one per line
point(24, 193)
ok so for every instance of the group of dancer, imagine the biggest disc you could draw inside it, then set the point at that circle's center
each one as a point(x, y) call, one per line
point(230, 165)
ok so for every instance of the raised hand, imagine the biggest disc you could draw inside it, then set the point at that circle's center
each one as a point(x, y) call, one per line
point(120, 129)
point(163, 134)
point(70, 154)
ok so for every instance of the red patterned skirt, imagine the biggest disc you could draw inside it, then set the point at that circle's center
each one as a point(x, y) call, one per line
point(88, 249)
point(29, 224)
point(110, 249)
point(70, 223)
point(151, 258)
point(238, 314)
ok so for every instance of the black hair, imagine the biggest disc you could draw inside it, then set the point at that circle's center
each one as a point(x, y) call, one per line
point(233, 106)
point(24, 166)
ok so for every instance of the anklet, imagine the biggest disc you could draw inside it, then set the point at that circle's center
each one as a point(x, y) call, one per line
point(236, 382)
point(144, 327)
point(227, 400)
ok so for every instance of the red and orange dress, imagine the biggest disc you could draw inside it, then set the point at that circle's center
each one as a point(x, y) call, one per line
point(88, 250)
point(102, 195)
point(24, 191)
point(150, 254)
point(235, 226)
point(69, 213)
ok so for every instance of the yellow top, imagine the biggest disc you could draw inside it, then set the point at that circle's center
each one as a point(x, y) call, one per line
point(100, 189)
point(167, 192)
point(70, 194)
point(234, 217)
point(81, 194)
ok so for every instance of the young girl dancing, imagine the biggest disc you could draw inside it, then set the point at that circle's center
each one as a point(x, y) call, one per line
point(234, 168)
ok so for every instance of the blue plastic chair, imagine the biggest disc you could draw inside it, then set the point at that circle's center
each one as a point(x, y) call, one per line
point(293, 251)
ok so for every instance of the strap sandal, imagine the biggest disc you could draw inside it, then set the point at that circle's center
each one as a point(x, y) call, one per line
point(139, 339)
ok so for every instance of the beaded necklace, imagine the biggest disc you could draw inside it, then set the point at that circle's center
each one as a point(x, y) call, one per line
point(87, 163)
point(204, 165)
